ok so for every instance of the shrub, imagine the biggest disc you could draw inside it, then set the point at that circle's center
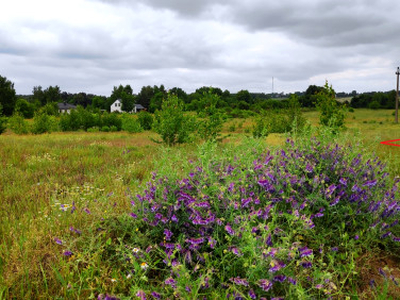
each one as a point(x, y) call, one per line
point(18, 124)
point(273, 226)
point(111, 119)
point(44, 123)
point(145, 120)
point(93, 129)
point(105, 129)
point(260, 128)
point(374, 105)
point(131, 124)
point(171, 123)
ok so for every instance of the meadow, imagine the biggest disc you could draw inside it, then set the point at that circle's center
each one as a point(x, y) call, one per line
point(95, 215)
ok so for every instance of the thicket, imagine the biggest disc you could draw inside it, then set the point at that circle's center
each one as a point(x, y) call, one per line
point(280, 120)
point(82, 119)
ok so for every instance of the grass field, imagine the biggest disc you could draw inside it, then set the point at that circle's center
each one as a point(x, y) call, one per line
point(44, 177)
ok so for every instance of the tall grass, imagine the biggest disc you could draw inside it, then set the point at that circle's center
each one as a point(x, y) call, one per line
point(43, 178)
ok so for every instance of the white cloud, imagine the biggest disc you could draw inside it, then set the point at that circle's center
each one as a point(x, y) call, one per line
point(92, 45)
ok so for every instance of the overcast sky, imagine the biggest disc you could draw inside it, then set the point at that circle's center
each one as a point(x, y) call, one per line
point(92, 45)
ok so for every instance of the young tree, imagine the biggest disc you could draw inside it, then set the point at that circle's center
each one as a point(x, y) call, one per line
point(211, 119)
point(171, 123)
point(8, 96)
point(331, 114)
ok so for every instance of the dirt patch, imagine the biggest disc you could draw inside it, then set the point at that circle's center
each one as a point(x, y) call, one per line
point(377, 270)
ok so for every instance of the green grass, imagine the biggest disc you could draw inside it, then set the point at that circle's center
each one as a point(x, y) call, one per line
point(38, 173)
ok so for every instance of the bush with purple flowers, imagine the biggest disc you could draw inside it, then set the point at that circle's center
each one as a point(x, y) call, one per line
point(273, 226)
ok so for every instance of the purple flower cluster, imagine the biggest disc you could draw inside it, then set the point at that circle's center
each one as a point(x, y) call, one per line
point(221, 208)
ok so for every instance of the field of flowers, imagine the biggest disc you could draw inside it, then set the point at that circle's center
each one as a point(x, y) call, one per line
point(113, 216)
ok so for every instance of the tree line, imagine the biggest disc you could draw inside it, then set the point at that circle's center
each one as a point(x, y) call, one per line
point(237, 104)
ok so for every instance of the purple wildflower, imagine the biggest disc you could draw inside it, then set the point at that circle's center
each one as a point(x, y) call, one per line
point(335, 201)
point(329, 191)
point(67, 253)
point(382, 273)
point(334, 249)
point(141, 295)
point(229, 229)
point(133, 215)
point(265, 284)
point(306, 264)
point(370, 183)
point(269, 240)
point(252, 294)
point(396, 239)
point(156, 295)
point(168, 234)
point(276, 266)
point(343, 181)
point(194, 241)
point(356, 237)
point(385, 235)
point(305, 252)
point(279, 278)
point(73, 207)
point(292, 281)
point(394, 280)
point(188, 289)
point(86, 210)
point(239, 281)
point(170, 281)
point(174, 219)
point(58, 241)
point(71, 228)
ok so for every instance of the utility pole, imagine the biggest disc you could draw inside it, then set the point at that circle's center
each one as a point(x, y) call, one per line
point(397, 97)
point(272, 86)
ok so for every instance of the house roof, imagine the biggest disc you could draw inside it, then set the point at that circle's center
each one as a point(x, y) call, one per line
point(65, 105)
point(139, 106)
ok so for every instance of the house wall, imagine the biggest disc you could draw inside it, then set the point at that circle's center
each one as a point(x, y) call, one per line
point(116, 107)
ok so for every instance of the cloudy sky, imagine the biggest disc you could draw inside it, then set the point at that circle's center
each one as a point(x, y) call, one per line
point(92, 45)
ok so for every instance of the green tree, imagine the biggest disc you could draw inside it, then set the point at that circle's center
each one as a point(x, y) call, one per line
point(145, 95)
point(8, 96)
point(124, 93)
point(171, 123)
point(309, 99)
point(211, 119)
point(25, 108)
point(52, 95)
point(331, 114)
point(244, 96)
point(3, 120)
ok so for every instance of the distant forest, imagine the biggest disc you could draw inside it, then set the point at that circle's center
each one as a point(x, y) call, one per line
point(151, 98)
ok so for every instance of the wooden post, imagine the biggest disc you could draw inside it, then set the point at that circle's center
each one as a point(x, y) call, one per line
point(397, 97)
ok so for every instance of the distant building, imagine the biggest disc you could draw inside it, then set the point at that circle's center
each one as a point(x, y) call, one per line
point(139, 107)
point(117, 107)
point(65, 108)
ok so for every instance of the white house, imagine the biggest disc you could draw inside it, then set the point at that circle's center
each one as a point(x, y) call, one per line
point(117, 107)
